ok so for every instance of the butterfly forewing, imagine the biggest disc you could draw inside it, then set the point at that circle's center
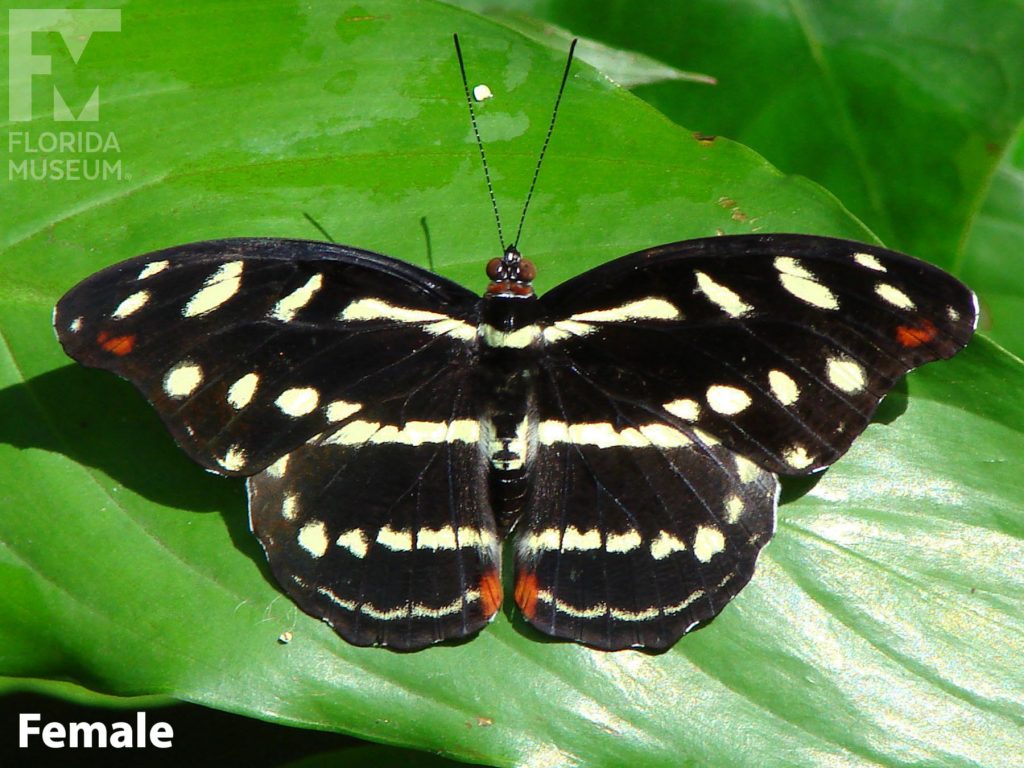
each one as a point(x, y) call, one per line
point(781, 346)
point(248, 348)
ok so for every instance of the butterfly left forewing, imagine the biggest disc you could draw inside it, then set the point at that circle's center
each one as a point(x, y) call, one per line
point(249, 347)
point(781, 346)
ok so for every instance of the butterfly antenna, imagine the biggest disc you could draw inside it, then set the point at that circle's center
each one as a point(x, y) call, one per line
point(319, 228)
point(479, 142)
point(547, 140)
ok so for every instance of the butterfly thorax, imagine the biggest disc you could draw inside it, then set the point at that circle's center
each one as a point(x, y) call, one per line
point(509, 346)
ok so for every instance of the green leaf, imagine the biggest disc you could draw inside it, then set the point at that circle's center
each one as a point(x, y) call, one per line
point(884, 622)
point(993, 252)
point(903, 111)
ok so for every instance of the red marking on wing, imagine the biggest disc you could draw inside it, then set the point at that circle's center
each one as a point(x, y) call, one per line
point(490, 593)
point(916, 335)
point(526, 593)
point(116, 345)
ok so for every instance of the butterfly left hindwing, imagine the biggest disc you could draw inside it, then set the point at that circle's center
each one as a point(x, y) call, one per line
point(384, 528)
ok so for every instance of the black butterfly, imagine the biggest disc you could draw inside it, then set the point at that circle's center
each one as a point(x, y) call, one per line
point(627, 427)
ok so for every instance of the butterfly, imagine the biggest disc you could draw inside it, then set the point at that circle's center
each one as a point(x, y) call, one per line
point(624, 431)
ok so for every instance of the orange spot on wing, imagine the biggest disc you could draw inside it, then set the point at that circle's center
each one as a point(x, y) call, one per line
point(116, 345)
point(490, 593)
point(916, 335)
point(526, 593)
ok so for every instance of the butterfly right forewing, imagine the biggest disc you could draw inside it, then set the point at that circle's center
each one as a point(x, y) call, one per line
point(780, 346)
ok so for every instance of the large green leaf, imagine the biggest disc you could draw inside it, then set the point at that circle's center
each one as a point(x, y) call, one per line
point(996, 252)
point(884, 623)
point(902, 110)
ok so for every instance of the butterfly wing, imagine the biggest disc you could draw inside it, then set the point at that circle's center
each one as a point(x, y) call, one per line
point(342, 381)
point(634, 531)
point(247, 348)
point(781, 346)
point(384, 529)
point(674, 382)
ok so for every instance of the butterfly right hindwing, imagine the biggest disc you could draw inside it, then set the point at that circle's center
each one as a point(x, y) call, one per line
point(635, 530)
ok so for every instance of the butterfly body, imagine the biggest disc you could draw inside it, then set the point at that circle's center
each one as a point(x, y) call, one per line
point(624, 430)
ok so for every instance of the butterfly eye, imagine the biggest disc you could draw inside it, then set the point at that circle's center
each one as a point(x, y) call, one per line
point(495, 269)
point(527, 272)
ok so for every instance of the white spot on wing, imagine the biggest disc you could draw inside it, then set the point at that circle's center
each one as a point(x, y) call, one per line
point(76, 324)
point(286, 308)
point(666, 544)
point(599, 610)
point(685, 409)
point(724, 298)
point(707, 543)
point(234, 459)
point(747, 470)
point(663, 436)
point(783, 387)
point(566, 329)
point(290, 506)
point(298, 401)
point(440, 538)
point(433, 323)
point(397, 541)
point(132, 304)
point(580, 541)
point(727, 400)
point(733, 509)
point(622, 542)
point(642, 309)
point(803, 284)
point(340, 409)
point(353, 433)
point(240, 393)
point(604, 435)
point(218, 288)
point(153, 268)
point(797, 457)
point(846, 375)
point(537, 541)
point(183, 379)
point(869, 261)
point(279, 467)
point(894, 296)
point(354, 541)
point(313, 538)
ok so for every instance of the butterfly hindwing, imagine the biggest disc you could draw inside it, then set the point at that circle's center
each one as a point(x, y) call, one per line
point(383, 527)
point(634, 530)
point(239, 344)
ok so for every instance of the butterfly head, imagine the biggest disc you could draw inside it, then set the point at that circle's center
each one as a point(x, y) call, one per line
point(511, 275)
